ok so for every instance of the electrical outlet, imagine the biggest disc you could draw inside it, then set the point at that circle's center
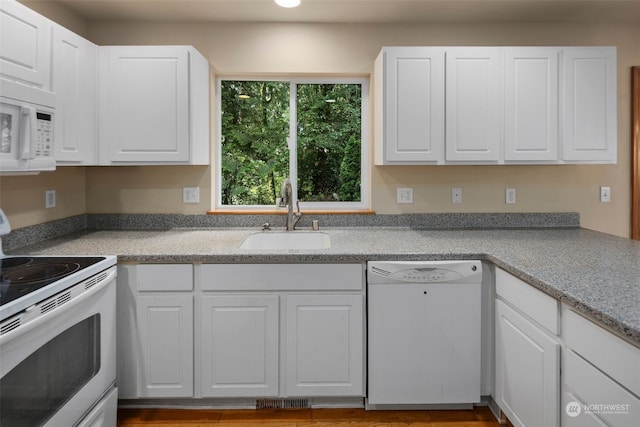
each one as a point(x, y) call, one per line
point(510, 196)
point(50, 199)
point(456, 195)
point(404, 195)
point(605, 194)
point(191, 195)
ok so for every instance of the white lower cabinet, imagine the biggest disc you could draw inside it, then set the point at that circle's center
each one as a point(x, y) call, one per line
point(239, 336)
point(324, 345)
point(165, 329)
point(527, 355)
point(601, 376)
point(240, 330)
point(155, 330)
point(292, 330)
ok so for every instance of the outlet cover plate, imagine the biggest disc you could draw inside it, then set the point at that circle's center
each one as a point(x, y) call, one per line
point(191, 195)
point(404, 195)
point(50, 199)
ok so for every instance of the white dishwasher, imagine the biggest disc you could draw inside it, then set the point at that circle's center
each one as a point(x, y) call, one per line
point(424, 334)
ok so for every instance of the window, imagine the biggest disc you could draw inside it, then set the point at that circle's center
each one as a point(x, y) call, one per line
point(312, 131)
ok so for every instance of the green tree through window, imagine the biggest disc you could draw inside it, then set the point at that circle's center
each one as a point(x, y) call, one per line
point(325, 161)
point(254, 155)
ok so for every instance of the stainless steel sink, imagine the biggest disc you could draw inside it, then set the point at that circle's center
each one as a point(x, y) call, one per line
point(287, 240)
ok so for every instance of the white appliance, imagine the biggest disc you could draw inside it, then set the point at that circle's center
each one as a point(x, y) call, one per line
point(57, 340)
point(424, 330)
point(26, 124)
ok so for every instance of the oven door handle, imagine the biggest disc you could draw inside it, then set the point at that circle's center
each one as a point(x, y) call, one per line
point(48, 316)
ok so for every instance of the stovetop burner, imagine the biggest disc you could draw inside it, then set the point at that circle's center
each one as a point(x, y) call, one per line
point(22, 275)
point(14, 262)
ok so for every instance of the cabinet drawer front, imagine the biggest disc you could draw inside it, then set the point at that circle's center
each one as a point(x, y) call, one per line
point(540, 307)
point(281, 277)
point(615, 357)
point(165, 277)
point(603, 396)
point(582, 419)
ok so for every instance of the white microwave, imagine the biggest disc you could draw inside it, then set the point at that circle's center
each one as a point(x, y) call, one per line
point(26, 143)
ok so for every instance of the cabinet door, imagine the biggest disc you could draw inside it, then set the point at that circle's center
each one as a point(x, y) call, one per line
point(165, 333)
point(589, 104)
point(144, 104)
point(527, 370)
point(75, 79)
point(25, 43)
point(412, 104)
point(239, 338)
point(324, 345)
point(473, 104)
point(531, 104)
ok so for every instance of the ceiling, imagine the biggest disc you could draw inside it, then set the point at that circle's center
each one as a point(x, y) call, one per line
point(359, 11)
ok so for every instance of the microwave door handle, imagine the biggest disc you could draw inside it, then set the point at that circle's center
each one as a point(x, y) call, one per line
point(27, 133)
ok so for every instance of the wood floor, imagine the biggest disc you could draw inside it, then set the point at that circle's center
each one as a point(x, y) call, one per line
point(479, 417)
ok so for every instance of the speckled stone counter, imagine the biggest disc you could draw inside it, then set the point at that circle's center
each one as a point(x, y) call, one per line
point(596, 273)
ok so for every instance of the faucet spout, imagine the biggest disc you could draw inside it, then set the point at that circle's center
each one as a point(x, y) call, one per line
point(286, 199)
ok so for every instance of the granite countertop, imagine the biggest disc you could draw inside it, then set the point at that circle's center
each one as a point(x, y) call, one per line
point(596, 273)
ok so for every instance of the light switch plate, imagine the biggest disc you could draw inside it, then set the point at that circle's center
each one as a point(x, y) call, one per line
point(605, 194)
point(456, 195)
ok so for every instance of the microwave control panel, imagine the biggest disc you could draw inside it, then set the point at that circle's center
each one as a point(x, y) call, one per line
point(44, 135)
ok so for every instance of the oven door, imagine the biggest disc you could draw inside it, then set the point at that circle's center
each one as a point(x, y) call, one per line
point(58, 365)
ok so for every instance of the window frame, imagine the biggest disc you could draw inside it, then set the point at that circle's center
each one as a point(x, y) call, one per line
point(362, 205)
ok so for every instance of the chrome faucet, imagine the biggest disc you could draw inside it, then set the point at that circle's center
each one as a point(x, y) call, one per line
point(286, 196)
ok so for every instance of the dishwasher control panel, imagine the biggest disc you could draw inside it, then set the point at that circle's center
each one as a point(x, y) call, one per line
point(424, 271)
point(426, 275)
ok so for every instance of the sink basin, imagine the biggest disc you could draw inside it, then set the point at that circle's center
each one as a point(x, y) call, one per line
point(287, 240)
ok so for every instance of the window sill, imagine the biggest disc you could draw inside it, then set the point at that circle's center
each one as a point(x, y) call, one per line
point(284, 212)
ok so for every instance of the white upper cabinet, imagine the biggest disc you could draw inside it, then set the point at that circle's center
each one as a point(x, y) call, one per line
point(473, 104)
point(495, 105)
point(410, 111)
point(75, 80)
point(154, 105)
point(25, 43)
point(531, 104)
point(589, 105)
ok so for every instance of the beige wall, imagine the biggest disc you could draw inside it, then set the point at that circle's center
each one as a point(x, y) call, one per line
point(234, 48)
point(22, 197)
